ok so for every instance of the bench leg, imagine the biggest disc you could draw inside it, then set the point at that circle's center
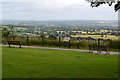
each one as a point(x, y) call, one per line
point(89, 50)
point(20, 46)
point(100, 52)
point(9, 45)
point(108, 53)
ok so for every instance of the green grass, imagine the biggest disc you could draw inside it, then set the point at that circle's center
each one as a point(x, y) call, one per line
point(0, 62)
point(44, 63)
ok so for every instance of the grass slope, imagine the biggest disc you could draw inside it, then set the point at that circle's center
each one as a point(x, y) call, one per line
point(44, 63)
point(0, 62)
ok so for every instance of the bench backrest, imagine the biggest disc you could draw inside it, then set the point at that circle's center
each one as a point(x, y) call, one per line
point(99, 47)
point(14, 42)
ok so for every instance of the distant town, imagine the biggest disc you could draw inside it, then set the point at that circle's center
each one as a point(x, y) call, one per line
point(80, 28)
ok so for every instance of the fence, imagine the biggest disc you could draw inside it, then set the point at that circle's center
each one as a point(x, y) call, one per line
point(43, 41)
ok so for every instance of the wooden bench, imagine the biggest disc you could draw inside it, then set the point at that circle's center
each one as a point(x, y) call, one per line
point(94, 48)
point(105, 48)
point(98, 49)
point(14, 43)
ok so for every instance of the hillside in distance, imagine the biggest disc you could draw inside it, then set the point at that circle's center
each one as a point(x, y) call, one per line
point(87, 24)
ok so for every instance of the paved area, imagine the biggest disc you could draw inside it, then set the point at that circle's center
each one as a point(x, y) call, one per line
point(60, 49)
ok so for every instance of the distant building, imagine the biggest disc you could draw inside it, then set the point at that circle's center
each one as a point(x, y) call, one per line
point(27, 34)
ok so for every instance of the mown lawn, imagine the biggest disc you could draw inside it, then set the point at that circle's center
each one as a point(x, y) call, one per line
point(44, 63)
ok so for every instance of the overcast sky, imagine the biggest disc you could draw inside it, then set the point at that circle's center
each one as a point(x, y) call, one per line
point(54, 10)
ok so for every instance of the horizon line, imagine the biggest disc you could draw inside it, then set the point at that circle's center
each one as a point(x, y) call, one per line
point(58, 20)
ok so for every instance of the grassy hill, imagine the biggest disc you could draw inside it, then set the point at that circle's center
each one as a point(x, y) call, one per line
point(44, 63)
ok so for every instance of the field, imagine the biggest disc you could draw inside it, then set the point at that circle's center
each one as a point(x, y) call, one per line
point(44, 63)
point(98, 36)
point(20, 28)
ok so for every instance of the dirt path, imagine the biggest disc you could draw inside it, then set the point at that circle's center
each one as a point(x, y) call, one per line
point(60, 49)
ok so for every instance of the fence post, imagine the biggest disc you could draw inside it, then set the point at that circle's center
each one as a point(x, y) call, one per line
point(27, 40)
point(78, 43)
point(42, 41)
point(98, 42)
point(69, 43)
point(99, 45)
point(59, 42)
point(64, 43)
